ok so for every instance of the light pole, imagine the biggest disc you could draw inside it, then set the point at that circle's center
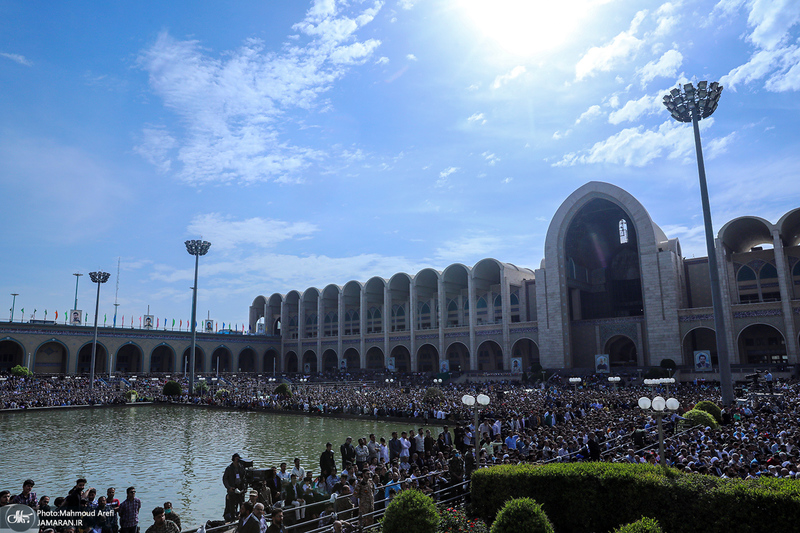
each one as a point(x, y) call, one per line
point(98, 277)
point(614, 380)
point(575, 382)
point(691, 105)
point(195, 248)
point(475, 402)
point(13, 304)
point(77, 279)
point(658, 404)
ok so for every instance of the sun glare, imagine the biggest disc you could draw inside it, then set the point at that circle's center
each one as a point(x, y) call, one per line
point(526, 27)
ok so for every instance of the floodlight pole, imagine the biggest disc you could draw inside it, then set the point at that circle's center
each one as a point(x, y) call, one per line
point(691, 105)
point(98, 277)
point(195, 248)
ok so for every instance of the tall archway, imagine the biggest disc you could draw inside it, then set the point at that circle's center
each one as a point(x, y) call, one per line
point(696, 340)
point(271, 362)
point(247, 360)
point(11, 355)
point(427, 358)
point(621, 351)
point(128, 359)
point(402, 359)
point(528, 351)
point(309, 362)
point(162, 359)
point(490, 357)
point(291, 362)
point(85, 359)
point(51, 358)
point(375, 359)
point(330, 362)
point(199, 359)
point(221, 360)
point(458, 357)
point(353, 359)
point(762, 344)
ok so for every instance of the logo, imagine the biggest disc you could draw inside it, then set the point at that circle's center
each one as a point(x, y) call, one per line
point(18, 518)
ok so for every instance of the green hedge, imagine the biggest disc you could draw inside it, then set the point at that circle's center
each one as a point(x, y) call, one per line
point(645, 525)
point(702, 418)
point(710, 408)
point(522, 515)
point(589, 497)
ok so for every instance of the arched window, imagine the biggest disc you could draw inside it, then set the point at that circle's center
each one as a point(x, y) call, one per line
point(768, 271)
point(747, 284)
point(623, 231)
point(398, 318)
point(515, 317)
point(768, 281)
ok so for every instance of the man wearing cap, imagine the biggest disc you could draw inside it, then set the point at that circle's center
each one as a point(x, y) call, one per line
point(27, 497)
point(233, 479)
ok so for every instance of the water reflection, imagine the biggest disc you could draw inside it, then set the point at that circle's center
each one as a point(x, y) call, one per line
point(167, 452)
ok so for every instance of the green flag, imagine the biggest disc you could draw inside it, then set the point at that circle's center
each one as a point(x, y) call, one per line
point(173, 322)
point(104, 319)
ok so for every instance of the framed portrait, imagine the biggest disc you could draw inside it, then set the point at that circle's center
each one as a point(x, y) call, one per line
point(209, 326)
point(444, 367)
point(390, 364)
point(75, 317)
point(601, 365)
point(343, 365)
point(149, 322)
point(702, 361)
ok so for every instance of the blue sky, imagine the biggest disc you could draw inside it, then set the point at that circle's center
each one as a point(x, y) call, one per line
point(315, 143)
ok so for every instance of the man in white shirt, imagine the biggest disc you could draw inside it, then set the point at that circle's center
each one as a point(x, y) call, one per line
point(405, 444)
point(420, 442)
point(298, 470)
point(284, 474)
point(383, 454)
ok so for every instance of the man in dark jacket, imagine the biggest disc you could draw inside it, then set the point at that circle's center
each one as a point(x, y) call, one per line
point(233, 479)
point(348, 453)
point(327, 461)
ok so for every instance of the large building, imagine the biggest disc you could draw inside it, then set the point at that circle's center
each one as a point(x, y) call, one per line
point(611, 282)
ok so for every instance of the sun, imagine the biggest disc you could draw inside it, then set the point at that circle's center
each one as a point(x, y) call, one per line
point(526, 27)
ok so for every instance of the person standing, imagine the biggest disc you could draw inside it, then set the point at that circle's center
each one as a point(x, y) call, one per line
point(27, 496)
point(251, 523)
point(365, 492)
point(171, 515)
point(277, 522)
point(327, 461)
point(373, 447)
point(233, 479)
point(348, 453)
point(129, 512)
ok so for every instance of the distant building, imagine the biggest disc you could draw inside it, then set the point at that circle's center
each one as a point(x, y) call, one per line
point(611, 282)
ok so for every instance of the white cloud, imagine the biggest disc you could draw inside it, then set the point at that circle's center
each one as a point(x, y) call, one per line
point(716, 147)
point(477, 117)
point(771, 21)
point(604, 58)
point(475, 246)
point(666, 66)
point(593, 111)
point(490, 157)
point(638, 147)
point(230, 106)
point(155, 147)
point(382, 60)
point(503, 79)
point(17, 58)
point(411, 57)
point(633, 109)
point(226, 233)
point(507, 180)
point(667, 17)
point(444, 174)
point(406, 4)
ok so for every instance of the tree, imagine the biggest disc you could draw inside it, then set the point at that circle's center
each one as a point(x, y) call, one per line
point(283, 390)
point(171, 388)
point(201, 387)
point(433, 395)
point(411, 508)
point(21, 371)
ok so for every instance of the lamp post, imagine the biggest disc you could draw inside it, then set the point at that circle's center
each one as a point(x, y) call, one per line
point(98, 277)
point(575, 382)
point(656, 408)
point(389, 381)
point(437, 381)
point(195, 248)
point(692, 105)
point(475, 401)
point(614, 380)
point(13, 304)
point(77, 279)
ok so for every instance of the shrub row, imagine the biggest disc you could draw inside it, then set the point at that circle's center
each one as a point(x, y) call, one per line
point(587, 497)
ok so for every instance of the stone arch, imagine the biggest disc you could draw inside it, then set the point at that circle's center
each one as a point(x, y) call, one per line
point(743, 233)
point(762, 344)
point(309, 362)
point(428, 358)
point(330, 361)
point(458, 357)
point(247, 360)
point(621, 351)
point(490, 356)
point(402, 358)
point(162, 358)
point(353, 359)
point(128, 358)
point(789, 226)
point(291, 361)
point(199, 359)
point(375, 359)
point(528, 351)
point(51, 357)
point(271, 361)
point(12, 353)
point(223, 355)
point(85, 359)
point(455, 279)
point(696, 339)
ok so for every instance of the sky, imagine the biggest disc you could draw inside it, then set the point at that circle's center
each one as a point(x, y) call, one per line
point(314, 143)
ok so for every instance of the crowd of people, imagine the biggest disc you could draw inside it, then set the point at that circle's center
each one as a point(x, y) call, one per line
point(594, 421)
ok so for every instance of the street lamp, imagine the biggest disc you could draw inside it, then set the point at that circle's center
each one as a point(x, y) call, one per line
point(575, 382)
point(437, 381)
point(475, 402)
point(389, 381)
point(195, 248)
point(614, 380)
point(98, 277)
point(691, 105)
point(13, 304)
point(656, 408)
